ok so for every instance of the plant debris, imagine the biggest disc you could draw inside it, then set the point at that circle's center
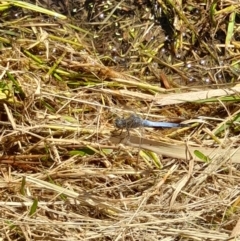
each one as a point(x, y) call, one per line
point(69, 69)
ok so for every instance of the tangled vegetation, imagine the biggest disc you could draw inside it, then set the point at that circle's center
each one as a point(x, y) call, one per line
point(69, 69)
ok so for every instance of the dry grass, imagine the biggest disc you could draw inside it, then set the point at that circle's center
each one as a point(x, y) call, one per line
point(67, 174)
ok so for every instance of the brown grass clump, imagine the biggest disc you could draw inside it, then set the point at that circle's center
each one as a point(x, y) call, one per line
point(68, 69)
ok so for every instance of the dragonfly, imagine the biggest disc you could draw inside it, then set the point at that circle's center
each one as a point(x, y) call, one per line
point(135, 121)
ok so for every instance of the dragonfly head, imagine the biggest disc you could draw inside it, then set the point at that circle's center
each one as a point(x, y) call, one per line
point(120, 123)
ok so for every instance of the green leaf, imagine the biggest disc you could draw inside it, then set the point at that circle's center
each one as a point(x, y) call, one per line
point(151, 157)
point(82, 152)
point(22, 189)
point(230, 30)
point(201, 156)
point(33, 207)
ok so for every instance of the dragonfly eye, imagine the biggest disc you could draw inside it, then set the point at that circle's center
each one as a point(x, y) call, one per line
point(120, 123)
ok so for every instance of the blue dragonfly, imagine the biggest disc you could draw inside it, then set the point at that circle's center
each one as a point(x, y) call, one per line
point(134, 121)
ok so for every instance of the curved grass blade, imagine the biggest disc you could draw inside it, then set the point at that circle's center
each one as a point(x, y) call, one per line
point(35, 8)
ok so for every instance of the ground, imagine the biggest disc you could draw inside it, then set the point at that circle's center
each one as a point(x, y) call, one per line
point(67, 173)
